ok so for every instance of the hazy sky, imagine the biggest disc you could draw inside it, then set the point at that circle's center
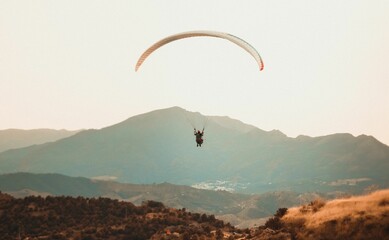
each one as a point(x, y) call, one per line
point(70, 64)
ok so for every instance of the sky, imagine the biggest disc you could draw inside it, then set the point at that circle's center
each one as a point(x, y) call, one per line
point(69, 64)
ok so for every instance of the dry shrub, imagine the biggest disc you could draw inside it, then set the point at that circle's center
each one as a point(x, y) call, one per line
point(313, 206)
point(383, 202)
point(317, 204)
point(297, 223)
point(281, 212)
point(275, 222)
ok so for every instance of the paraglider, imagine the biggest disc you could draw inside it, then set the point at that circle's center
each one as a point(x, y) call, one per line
point(234, 39)
point(238, 41)
point(197, 120)
point(199, 137)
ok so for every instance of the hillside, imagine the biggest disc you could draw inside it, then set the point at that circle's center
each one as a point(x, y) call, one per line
point(159, 147)
point(239, 209)
point(361, 217)
point(17, 138)
point(102, 218)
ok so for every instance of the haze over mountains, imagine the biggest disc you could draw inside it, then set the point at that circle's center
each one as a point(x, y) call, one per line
point(159, 147)
point(17, 138)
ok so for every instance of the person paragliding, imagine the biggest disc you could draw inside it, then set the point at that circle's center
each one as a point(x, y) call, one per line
point(201, 33)
point(199, 137)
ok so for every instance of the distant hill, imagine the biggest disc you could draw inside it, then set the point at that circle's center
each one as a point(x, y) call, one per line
point(54, 184)
point(159, 147)
point(239, 209)
point(17, 138)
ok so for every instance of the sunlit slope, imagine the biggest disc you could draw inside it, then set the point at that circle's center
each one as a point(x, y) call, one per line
point(159, 147)
point(363, 217)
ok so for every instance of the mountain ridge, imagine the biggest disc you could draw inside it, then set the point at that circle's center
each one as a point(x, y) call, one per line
point(159, 147)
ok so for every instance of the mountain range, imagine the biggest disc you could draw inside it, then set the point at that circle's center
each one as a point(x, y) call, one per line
point(159, 147)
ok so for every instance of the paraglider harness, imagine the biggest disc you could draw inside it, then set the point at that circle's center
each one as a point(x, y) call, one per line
point(199, 137)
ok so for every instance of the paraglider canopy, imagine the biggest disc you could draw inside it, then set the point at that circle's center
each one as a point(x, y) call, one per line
point(238, 41)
